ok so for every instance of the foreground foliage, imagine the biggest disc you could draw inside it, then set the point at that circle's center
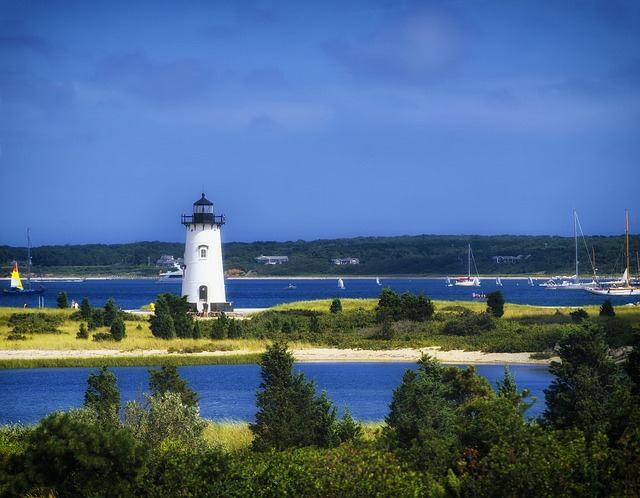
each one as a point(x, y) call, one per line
point(448, 434)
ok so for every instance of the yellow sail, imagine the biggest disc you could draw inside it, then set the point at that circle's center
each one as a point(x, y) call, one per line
point(16, 283)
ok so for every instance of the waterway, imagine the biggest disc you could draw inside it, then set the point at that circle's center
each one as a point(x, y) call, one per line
point(227, 392)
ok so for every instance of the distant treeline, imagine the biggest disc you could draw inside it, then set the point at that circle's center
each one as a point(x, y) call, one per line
point(435, 255)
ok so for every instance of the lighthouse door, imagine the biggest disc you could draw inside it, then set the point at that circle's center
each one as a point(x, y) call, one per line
point(202, 293)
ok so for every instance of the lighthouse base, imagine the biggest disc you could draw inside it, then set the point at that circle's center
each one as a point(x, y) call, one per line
point(206, 308)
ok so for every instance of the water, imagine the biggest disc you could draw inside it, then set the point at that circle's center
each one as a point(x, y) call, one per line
point(228, 391)
point(264, 293)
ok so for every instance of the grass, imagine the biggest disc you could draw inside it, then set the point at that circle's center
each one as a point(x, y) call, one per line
point(234, 435)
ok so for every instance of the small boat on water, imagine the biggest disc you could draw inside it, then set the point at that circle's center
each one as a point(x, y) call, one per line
point(340, 284)
point(378, 281)
point(498, 282)
point(469, 281)
point(624, 288)
point(16, 287)
point(448, 282)
point(171, 276)
point(290, 287)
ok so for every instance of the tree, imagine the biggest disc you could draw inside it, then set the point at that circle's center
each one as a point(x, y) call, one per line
point(407, 306)
point(110, 312)
point(606, 309)
point(422, 416)
point(85, 309)
point(118, 329)
point(336, 306)
point(588, 392)
point(180, 311)
point(167, 379)
point(102, 396)
point(161, 322)
point(495, 303)
point(62, 300)
point(82, 333)
point(289, 414)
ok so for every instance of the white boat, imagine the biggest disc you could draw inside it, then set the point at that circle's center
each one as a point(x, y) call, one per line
point(619, 289)
point(498, 282)
point(530, 281)
point(573, 282)
point(469, 281)
point(171, 276)
point(378, 281)
point(340, 284)
point(448, 282)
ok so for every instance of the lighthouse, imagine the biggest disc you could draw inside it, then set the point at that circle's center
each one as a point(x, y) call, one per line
point(203, 276)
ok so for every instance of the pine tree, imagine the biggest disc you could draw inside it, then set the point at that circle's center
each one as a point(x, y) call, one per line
point(167, 379)
point(103, 396)
point(290, 415)
point(118, 329)
point(161, 322)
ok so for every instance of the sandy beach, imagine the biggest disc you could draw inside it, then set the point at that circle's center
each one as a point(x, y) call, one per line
point(302, 355)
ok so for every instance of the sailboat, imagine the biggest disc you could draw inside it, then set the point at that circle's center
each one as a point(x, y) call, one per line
point(498, 282)
point(448, 282)
point(624, 288)
point(469, 281)
point(530, 281)
point(16, 287)
point(340, 284)
point(574, 283)
point(378, 281)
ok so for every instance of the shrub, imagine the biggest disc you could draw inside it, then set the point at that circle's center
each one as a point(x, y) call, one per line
point(71, 455)
point(62, 300)
point(606, 309)
point(336, 306)
point(578, 315)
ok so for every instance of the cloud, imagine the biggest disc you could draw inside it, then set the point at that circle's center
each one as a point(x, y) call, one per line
point(175, 82)
point(412, 47)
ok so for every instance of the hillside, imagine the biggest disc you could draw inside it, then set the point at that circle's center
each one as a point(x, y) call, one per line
point(422, 255)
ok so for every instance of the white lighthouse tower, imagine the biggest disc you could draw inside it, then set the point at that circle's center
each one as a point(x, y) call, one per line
point(203, 276)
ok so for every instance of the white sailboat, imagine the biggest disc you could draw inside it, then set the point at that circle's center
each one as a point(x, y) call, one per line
point(530, 281)
point(619, 289)
point(340, 284)
point(574, 282)
point(498, 282)
point(378, 281)
point(469, 281)
point(448, 282)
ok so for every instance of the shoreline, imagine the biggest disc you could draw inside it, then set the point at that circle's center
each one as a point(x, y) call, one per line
point(311, 355)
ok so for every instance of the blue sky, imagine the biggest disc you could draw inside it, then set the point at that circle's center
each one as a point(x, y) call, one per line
point(318, 119)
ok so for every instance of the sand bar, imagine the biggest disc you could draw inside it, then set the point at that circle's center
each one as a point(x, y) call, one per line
point(301, 355)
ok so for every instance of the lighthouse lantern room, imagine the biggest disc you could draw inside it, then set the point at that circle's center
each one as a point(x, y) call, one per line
point(203, 275)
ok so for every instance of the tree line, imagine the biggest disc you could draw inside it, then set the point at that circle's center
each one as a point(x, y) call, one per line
point(404, 255)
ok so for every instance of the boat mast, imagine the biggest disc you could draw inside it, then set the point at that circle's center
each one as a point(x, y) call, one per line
point(469, 261)
point(626, 235)
point(575, 238)
point(28, 259)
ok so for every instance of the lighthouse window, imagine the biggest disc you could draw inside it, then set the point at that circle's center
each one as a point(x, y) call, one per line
point(203, 252)
point(202, 293)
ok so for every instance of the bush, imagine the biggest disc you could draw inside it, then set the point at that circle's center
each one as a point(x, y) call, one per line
point(606, 309)
point(118, 329)
point(62, 300)
point(578, 315)
point(71, 455)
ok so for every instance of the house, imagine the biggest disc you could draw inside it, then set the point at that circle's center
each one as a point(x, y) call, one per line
point(510, 259)
point(345, 261)
point(271, 260)
point(169, 261)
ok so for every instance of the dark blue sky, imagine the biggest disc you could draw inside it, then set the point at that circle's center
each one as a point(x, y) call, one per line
point(319, 119)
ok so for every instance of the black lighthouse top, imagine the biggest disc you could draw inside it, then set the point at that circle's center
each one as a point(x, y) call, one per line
point(203, 213)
